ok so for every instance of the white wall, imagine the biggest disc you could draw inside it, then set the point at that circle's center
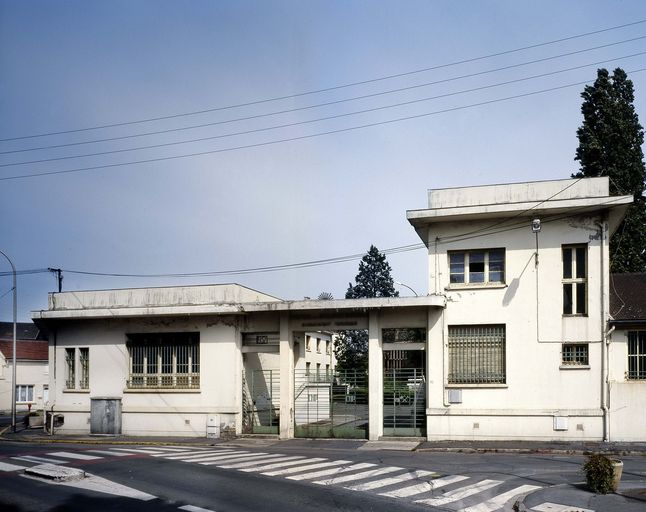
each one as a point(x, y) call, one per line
point(34, 373)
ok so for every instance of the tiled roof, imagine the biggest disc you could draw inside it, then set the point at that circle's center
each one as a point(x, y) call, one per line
point(628, 297)
point(26, 350)
point(24, 331)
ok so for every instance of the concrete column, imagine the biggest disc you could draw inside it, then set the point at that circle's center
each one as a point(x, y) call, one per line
point(375, 378)
point(286, 379)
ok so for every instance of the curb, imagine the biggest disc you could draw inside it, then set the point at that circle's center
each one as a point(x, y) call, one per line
point(555, 451)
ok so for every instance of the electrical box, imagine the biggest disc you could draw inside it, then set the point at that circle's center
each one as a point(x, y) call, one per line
point(455, 396)
point(213, 426)
point(560, 423)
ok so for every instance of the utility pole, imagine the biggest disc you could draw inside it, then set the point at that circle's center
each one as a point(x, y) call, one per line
point(13, 369)
point(59, 277)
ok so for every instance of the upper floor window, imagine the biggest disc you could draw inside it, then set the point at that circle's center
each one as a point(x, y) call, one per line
point(575, 279)
point(637, 355)
point(477, 267)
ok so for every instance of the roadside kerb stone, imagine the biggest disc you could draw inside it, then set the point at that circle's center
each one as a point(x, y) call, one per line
point(56, 473)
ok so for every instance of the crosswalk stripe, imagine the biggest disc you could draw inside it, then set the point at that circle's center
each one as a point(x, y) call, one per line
point(397, 479)
point(106, 452)
point(137, 450)
point(498, 501)
point(240, 457)
point(557, 507)
point(70, 455)
point(420, 488)
point(333, 471)
point(39, 460)
point(280, 465)
point(245, 458)
point(191, 455)
point(5, 466)
point(193, 508)
point(300, 469)
point(359, 476)
point(247, 464)
point(185, 453)
point(460, 493)
point(172, 449)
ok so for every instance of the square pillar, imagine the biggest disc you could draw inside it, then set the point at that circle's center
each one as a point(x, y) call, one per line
point(286, 344)
point(375, 378)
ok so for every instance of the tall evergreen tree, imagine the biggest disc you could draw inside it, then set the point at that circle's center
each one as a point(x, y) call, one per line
point(610, 141)
point(372, 280)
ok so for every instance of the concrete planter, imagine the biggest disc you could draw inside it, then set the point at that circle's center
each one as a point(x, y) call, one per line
point(35, 420)
point(617, 469)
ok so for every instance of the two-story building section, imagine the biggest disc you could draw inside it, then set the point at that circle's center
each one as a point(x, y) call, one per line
point(521, 350)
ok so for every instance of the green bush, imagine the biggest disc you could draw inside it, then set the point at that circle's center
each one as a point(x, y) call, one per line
point(599, 473)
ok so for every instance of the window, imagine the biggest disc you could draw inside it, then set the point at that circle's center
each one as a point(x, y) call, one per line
point(308, 343)
point(575, 280)
point(318, 371)
point(637, 355)
point(70, 368)
point(25, 393)
point(318, 345)
point(84, 367)
point(328, 347)
point(307, 368)
point(574, 354)
point(164, 360)
point(477, 354)
point(477, 267)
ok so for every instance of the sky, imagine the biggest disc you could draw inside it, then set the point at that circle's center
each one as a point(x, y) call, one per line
point(258, 199)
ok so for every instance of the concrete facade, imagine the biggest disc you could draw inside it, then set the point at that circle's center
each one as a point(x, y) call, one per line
point(516, 347)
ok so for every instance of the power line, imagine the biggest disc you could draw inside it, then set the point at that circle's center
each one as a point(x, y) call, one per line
point(301, 137)
point(345, 100)
point(327, 89)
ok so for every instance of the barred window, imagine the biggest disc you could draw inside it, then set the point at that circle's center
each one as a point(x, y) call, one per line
point(575, 279)
point(477, 267)
point(573, 354)
point(84, 367)
point(164, 360)
point(70, 368)
point(477, 354)
point(637, 355)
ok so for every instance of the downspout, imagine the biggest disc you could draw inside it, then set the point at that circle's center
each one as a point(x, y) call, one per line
point(604, 338)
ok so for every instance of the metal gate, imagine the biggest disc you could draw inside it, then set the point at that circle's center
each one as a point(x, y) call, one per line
point(331, 404)
point(261, 401)
point(404, 402)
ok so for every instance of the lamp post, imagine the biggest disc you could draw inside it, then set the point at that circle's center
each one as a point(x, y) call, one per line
point(13, 369)
point(406, 286)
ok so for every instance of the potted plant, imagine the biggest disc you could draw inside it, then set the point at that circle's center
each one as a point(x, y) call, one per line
point(602, 474)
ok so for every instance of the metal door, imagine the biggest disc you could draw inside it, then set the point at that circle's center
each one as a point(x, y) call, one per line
point(261, 401)
point(331, 404)
point(405, 402)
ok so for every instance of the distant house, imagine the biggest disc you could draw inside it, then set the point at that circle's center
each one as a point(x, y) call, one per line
point(32, 369)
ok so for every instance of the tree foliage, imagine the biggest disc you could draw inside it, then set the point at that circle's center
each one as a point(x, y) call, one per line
point(372, 280)
point(610, 141)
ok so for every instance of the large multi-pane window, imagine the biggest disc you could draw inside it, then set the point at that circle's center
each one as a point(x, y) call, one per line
point(477, 267)
point(164, 360)
point(575, 279)
point(477, 354)
point(637, 355)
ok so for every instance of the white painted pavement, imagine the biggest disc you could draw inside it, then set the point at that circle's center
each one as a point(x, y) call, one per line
point(392, 480)
point(460, 493)
point(334, 471)
point(40, 460)
point(5, 466)
point(359, 476)
point(423, 487)
point(111, 454)
point(268, 467)
point(557, 507)
point(499, 501)
point(300, 469)
point(192, 508)
point(71, 455)
point(277, 458)
point(192, 455)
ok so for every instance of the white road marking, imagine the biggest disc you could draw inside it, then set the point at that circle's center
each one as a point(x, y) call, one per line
point(243, 458)
point(277, 458)
point(137, 450)
point(98, 484)
point(333, 471)
point(281, 465)
point(40, 460)
point(175, 449)
point(300, 469)
point(70, 455)
point(359, 476)
point(191, 455)
point(412, 490)
point(5, 466)
point(216, 459)
point(556, 507)
point(397, 479)
point(106, 452)
point(498, 501)
point(460, 493)
point(192, 508)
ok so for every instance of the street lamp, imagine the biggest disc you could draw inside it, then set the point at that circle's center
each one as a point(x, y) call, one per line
point(406, 286)
point(13, 370)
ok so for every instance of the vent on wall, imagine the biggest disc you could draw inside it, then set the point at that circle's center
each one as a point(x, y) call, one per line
point(560, 423)
point(455, 396)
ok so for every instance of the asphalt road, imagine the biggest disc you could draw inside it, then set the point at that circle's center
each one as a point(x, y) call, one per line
point(175, 477)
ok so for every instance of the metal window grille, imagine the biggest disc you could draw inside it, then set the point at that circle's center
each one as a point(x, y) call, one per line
point(84, 367)
point(477, 354)
point(168, 360)
point(637, 355)
point(70, 368)
point(575, 354)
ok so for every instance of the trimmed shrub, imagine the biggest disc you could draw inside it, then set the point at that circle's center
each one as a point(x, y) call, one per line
point(598, 471)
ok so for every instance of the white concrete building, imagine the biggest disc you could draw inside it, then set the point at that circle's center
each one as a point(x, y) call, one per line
point(512, 341)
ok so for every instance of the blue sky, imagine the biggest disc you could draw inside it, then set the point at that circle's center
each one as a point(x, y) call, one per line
point(70, 65)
